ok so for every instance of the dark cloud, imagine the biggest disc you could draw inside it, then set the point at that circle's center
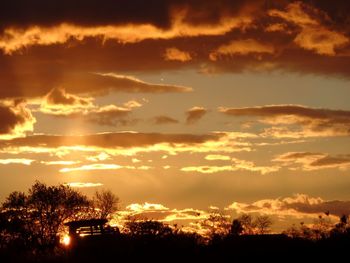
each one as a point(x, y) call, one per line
point(109, 140)
point(195, 114)
point(314, 120)
point(162, 119)
point(33, 80)
point(285, 109)
point(59, 96)
point(34, 68)
point(15, 119)
point(331, 161)
point(22, 13)
point(336, 207)
point(314, 161)
point(298, 155)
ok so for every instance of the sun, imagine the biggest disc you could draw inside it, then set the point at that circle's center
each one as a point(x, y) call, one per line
point(66, 240)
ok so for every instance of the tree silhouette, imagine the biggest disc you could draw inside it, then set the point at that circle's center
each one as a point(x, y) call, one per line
point(39, 216)
point(247, 224)
point(106, 202)
point(147, 228)
point(236, 228)
point(216, 225)
point(263, 224)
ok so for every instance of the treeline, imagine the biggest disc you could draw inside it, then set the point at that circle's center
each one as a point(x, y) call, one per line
point(30, 224)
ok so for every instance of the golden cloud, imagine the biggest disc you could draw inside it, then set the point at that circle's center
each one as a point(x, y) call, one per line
point(237, 165)
point(92, 167)
point(299, 206)
point(83, 185)
point(16, 161)
point(215, 157)
point(102, 147)
point(176, 54)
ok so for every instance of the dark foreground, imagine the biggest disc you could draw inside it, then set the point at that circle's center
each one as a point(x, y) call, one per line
point(187, 248)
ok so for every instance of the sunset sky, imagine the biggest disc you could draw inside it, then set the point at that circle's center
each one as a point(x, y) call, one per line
point(180, 107)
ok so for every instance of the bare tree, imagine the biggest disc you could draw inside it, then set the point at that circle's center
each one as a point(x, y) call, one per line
point(263, 224)
point(321, 227)
point(107, 203)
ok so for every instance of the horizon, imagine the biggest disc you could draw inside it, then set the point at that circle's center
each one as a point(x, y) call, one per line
point(180, 107)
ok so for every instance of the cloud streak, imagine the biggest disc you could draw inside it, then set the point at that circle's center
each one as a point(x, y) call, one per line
point(309, 161)
point(237, 165)
point(83, 185)
point(314, 122)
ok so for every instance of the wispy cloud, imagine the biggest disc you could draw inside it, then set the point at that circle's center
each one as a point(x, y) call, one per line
point(309, 161)
point(83, 185)
point(237, 164)
point(91, 167)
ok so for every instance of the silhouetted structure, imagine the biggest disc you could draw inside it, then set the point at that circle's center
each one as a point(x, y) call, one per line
point(90, 228)
point(86, 227)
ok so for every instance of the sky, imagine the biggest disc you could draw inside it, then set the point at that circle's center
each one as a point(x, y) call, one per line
point(180, 107)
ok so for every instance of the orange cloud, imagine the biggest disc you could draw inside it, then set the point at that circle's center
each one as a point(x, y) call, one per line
point(101, 147)
point(241, 47)
point(59, 102)
point(313, 35)
point(177, 55)
point(277, 27)
point(61, 97)
point(62, 104)
point(15, 38)
point(321, 40)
